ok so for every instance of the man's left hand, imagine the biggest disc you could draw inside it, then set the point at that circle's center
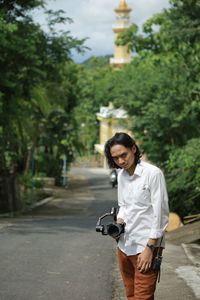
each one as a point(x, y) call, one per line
point(144, 260)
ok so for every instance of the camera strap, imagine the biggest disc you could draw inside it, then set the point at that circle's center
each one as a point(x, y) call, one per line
point(158, 257)
point(159, 247)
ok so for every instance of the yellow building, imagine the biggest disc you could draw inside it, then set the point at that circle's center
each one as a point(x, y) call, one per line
point(121, 54)
point(111, 121)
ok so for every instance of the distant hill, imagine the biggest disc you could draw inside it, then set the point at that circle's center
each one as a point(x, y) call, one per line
point(97, 61)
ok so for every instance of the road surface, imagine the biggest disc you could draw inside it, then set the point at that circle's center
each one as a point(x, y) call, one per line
point(55, 253)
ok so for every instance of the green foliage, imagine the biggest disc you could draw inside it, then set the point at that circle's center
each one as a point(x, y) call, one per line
point(27, 181)
point(95, 62)
point(161, 88)
point(38, 85)
point(32, 63)
point(165, 114)
point(93, 79)
point(183, 178)
point(56, 138)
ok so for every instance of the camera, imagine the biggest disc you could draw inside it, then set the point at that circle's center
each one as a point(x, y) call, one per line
point(156, 262)
point(113, 229)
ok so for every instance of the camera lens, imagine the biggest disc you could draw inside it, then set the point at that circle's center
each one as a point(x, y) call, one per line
point(113, 230)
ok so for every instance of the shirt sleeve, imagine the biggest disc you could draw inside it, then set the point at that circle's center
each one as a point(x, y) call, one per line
point(121, 213)
point(159, 200)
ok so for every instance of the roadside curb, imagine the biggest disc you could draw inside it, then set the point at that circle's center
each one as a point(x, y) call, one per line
point(73, 179)
point(193, 259)
point(5, 225)
point(40, 203)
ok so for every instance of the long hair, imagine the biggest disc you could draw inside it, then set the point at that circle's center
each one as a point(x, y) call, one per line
point(120, 138)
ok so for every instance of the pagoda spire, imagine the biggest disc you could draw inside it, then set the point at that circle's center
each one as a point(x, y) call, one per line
point(123, 7)
point(121, 54)
point(123, 4)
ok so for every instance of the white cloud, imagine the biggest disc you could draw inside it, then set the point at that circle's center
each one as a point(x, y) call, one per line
point(144, 9)
point(94, 19)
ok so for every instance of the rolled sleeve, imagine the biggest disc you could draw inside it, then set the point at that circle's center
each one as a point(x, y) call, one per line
point(159, 200)
point(155, 233)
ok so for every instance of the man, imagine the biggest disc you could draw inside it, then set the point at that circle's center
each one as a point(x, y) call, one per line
point(143, 206)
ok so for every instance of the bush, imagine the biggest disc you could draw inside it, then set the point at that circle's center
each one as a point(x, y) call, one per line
point(28, 181)
point(183, 179)
point(30, 190)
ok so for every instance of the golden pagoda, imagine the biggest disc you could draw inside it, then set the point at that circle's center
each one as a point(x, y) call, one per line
point(121, 54)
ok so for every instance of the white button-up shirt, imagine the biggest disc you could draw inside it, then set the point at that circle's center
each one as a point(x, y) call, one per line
point(143, 203)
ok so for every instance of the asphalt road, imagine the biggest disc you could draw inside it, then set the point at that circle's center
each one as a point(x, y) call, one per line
point(54, 253)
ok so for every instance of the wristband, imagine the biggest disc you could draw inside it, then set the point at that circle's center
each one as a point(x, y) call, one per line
point(152, 247)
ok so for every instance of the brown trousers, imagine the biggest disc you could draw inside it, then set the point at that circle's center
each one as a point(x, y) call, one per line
point(139, 286)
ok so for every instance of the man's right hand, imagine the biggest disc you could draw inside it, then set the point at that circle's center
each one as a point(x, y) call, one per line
point(119, 220)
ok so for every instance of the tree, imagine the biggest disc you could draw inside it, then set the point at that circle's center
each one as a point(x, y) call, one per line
point(165, 84)
point(92, 82)
point(30, 60)
point(184, 188)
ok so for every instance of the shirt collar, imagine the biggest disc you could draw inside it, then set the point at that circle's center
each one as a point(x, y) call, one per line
point(138, 169)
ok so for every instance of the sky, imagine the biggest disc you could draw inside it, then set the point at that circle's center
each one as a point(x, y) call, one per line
point(94, 19)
